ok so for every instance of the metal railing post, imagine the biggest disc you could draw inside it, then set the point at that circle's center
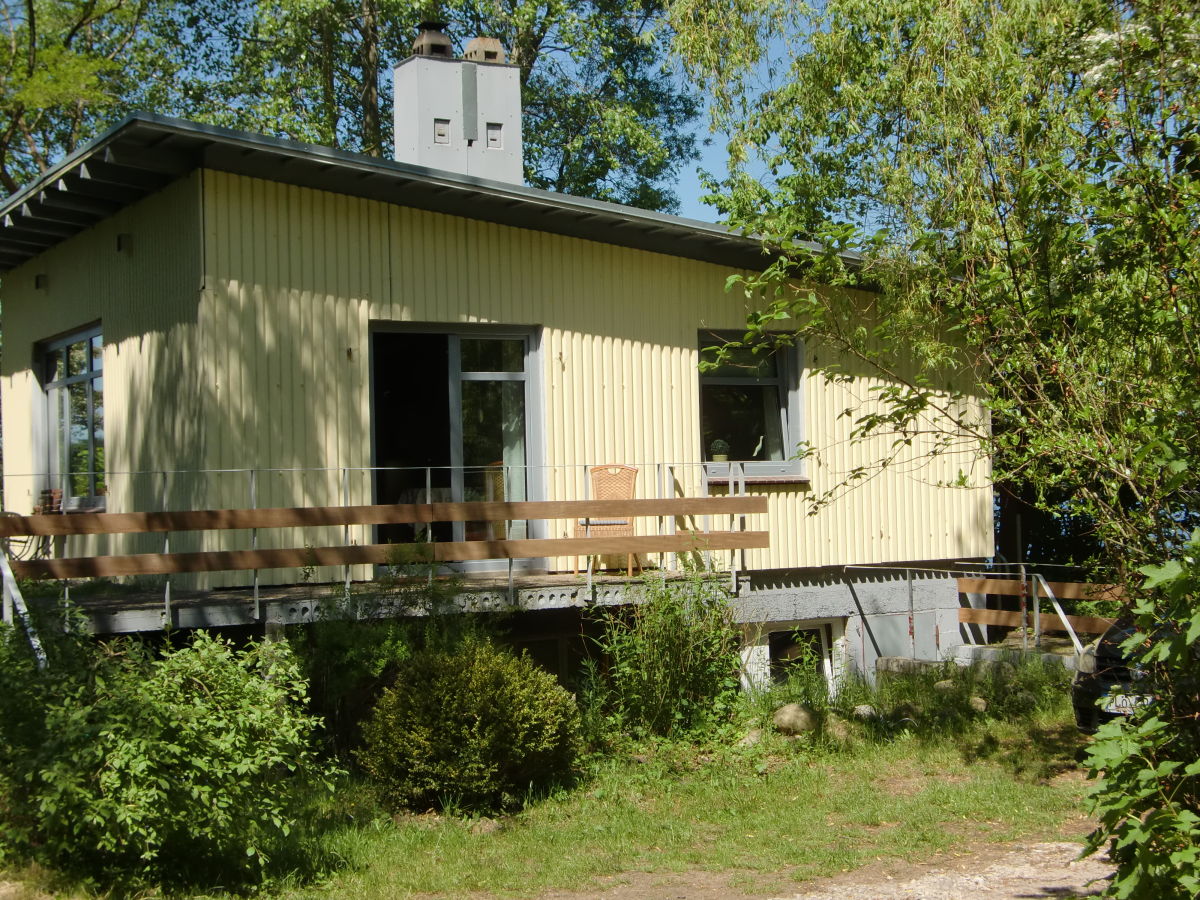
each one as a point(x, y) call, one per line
point(672, 557)
point(1037, 617)
point(1024, 610)
point(428, 490)
point(659, 521)
point(254, 542)
point(346, 529)
point(167, 617)
point(429, 525)
point(912, 616)
point(737, 485)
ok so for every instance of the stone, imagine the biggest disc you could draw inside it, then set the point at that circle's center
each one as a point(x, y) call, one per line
point(978, 704)
point(945, 686)
point(1024, 702)
point(839, 729)
point(753, 736)
point(907, 711)
point(865, 711)
point(903, 665)
point(792, 718)
point(485, 826)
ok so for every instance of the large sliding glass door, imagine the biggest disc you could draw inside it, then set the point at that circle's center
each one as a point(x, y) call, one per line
point(489, 460)
point(451, 417)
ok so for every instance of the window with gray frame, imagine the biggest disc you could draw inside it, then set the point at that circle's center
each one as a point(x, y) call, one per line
point(454, 414)
point(74, 381)
point(750, 408)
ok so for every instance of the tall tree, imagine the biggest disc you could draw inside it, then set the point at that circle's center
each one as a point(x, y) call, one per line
point(1021, 181)
point(68, 68)
point(606, 116)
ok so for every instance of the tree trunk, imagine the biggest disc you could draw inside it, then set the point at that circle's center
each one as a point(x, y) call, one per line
point(329, 105)
point(372, 137)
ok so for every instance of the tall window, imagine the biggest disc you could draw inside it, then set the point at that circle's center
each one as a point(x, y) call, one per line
point(74, 378)
point(750, 409)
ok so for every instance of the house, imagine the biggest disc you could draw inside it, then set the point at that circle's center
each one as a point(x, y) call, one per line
point(198, 318)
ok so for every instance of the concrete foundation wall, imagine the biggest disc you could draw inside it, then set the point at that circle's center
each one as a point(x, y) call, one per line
point(870, 606)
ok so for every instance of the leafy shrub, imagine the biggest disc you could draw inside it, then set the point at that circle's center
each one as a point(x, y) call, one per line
point(352, 651)
point(189, 768)
point(348, 663)
point(671, 662)
point(476, 727)
point(1147, 793)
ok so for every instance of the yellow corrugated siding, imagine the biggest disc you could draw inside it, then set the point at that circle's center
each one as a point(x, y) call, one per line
point(272, 358)
point(618, 363)
point(146, 300)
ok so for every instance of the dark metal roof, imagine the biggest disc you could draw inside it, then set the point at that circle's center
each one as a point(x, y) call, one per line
point(145, 152)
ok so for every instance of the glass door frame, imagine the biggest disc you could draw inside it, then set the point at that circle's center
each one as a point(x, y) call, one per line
point(531, 336)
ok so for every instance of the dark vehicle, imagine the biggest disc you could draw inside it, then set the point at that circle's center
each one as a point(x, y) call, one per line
point(1106, 683)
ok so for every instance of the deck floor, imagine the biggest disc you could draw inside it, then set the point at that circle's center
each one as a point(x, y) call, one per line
point(122, 609)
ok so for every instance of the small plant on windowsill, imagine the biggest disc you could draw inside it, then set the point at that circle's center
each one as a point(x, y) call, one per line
point(718, 450)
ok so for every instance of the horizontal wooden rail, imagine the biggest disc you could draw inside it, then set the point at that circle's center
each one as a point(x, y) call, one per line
point(1084, 624)
point(384, 554)
point(384, 514)
point(1063, 590)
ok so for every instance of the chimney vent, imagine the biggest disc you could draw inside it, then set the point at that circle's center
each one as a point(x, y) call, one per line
point(432, 41)
point(485, 50)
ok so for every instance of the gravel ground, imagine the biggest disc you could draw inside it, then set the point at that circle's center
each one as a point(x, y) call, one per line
point(985, 872)
point(1017, 871)
point(1012, 872)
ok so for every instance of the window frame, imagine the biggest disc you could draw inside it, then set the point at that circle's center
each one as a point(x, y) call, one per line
point(57, 435)
point(789, 368)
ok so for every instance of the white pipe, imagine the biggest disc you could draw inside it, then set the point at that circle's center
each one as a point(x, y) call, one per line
point(12, 595)
point(1062, 615)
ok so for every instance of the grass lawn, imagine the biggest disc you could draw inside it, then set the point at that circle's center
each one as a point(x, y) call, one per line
point(772, 813)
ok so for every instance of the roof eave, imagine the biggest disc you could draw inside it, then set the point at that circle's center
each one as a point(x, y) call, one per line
point(144, 152)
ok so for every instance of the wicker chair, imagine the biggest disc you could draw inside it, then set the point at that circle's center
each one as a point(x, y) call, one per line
point(610, 483)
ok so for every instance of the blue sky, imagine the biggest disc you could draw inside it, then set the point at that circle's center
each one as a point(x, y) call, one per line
point(712, 159)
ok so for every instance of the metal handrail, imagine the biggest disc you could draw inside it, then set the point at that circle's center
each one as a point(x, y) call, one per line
point(1038, 577)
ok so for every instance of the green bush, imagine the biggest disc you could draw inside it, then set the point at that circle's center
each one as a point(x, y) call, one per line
point(1146, 792)
point(671, 663)
point(351, 652)
point(185, 769)
point(475, 727)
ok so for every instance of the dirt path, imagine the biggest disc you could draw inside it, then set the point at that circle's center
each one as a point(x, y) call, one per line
point(1008, 872)
point(1017, 871)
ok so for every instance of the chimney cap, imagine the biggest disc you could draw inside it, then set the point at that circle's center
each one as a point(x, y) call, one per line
point(485, 50)
point(432, 41)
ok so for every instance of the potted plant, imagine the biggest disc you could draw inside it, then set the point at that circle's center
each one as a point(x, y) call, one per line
point(718, 451)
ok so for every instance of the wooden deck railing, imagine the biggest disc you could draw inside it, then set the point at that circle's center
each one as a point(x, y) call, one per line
point(1050, 590)
point(679, 541)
